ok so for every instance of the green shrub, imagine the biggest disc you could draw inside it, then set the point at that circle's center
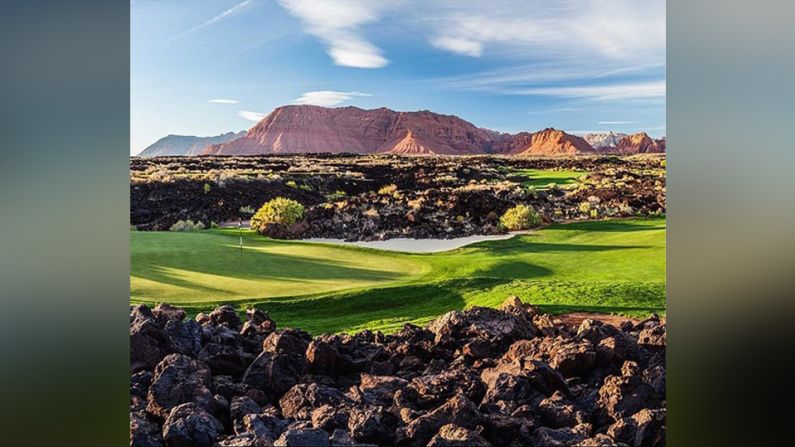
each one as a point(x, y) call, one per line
point(662, 163)
point(305, 187)
point(279, 210)
point(291, 184)
point(206, 188)
point(520, 217)
point(585, 207)
point(187, 225)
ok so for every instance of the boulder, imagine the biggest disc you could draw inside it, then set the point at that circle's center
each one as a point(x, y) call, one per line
point(459, 411)
point(451, 435)
point(302, 399)
point(303, 438)
point(373, 424)
point(179, 379)
point(190, 425)
point(624, 396)
point(644, 428)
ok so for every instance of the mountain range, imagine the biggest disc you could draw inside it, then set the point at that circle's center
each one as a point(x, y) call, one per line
point(314, 129)
point(186, 144)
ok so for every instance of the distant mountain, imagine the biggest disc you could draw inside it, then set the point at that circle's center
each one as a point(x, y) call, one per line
point(313, 129)
point(548, 142)
point(640, 143)
point(604, 141)
point(186, 144)
point(304, 128)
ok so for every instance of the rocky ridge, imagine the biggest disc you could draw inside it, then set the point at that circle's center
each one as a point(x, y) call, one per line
point(314, 129)
point(175, 145)
point(508, 376)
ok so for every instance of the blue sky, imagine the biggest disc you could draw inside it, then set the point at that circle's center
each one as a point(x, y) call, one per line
point(204, 67)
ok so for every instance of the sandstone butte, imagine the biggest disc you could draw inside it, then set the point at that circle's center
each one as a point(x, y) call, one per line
point(314, 129)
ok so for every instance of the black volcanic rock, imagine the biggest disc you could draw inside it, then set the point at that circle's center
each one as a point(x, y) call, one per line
point(533, 387)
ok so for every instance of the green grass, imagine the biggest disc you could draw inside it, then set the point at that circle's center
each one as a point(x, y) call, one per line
point(601, 266)
point(539, 178)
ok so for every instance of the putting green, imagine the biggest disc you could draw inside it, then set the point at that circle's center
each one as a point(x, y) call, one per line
point(615, 266)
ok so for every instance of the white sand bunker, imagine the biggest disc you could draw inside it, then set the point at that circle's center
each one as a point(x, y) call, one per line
point(417, 245)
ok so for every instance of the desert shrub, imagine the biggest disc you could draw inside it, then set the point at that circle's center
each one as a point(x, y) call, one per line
point(585, 207)
point(187, 225)
point(335, 195)
point(662, 163)
point(626, 209)
point(371, 213)
point(594, 213)
point(279, 210)
point(520, 217)
point(291, 184)
point(387, 189)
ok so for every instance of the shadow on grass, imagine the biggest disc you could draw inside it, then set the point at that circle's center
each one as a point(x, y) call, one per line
point(258, 266)
point(376, 308)
point(525, 244)
point(619, 310)
point(613, 226)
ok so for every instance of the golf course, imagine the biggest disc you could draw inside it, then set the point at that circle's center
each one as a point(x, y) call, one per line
point(613, 266)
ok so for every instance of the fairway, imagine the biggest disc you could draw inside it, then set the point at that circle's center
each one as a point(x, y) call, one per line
point(540, 179)
point(615, 266)
point(206, 266)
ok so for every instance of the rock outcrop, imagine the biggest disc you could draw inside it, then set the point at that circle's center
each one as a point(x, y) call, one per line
point(604, 141)
point(546, 142)
point(640, 143)
point(313, 129)
point(480, 377)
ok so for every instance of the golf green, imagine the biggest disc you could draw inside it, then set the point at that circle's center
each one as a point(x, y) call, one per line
point(615, 266)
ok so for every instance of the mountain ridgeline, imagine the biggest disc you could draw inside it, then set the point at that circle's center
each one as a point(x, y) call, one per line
point(186, 144)
point(312, 129)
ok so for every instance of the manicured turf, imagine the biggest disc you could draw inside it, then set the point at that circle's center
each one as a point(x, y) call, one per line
point(542, 178)
point(603, 266)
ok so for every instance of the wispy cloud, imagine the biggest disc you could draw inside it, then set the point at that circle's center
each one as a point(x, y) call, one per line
point(238, 8)
point(251, 116)
point(222, 101)
point(337, 23)
point(609, 123)
point(634, 90)
point(327, 98)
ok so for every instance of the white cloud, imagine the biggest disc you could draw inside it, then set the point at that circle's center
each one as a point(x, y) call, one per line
point(337, 22)
point(460, 46)
point(251, 116)
point(240, 7)
point(223, 101)
point(327, 98)
point(615, 29)
point(639, 90)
